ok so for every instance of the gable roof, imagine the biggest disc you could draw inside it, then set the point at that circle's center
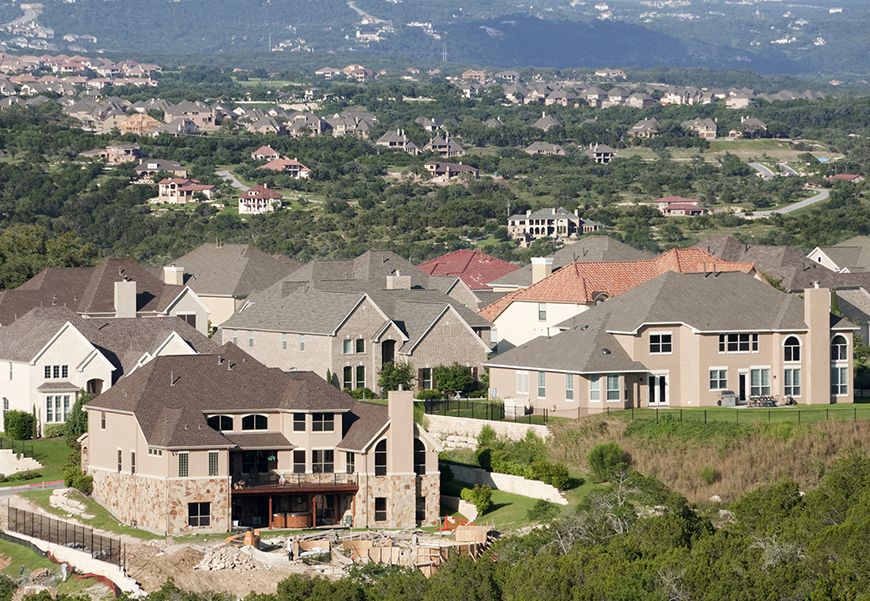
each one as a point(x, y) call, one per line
point(583, 283)
point(171, 397)
point(473, 267)
point(852, 254)
point(231, 269)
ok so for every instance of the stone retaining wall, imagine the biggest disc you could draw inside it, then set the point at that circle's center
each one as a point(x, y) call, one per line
point(462, 506)
point(443, 426)
point(508, 483)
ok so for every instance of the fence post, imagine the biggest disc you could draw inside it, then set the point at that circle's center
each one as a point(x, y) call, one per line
point(681, 415)
point(799, 416)
point(737, 413)
point(827, 417)
point(705, 417)
point(657, 414)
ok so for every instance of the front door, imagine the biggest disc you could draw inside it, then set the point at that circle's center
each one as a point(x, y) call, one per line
point(742, 378)
point(658, 390)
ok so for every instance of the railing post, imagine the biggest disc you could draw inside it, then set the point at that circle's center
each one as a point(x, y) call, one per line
point(799, 416)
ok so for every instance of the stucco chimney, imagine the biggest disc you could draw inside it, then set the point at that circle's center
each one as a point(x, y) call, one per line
point(125, 298)
point(172, 275)
point(401, 439)
point(817, 316)
point(398, 282)
point(541, 268)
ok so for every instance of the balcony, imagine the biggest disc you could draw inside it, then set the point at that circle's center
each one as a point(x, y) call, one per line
point(275, 483)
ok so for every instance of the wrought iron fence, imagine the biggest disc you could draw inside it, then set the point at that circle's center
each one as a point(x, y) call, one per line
point(66, 534)
point(17, 446)
point(491, 410)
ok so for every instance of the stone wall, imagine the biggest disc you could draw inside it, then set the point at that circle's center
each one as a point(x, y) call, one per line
point(441, 426)
point(508, 483)
point(401, 492)
point(468, 510)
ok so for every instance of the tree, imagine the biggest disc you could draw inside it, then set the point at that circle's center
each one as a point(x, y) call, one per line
point(395, 375)
point(453, 378)
point(77, 422)
point(607, 459)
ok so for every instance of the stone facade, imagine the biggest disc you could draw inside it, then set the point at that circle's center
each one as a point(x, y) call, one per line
point(401, 493)
point(442, 426)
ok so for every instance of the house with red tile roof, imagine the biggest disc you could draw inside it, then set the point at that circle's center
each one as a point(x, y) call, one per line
point(677, 206)
point(288, 166)
point(531, 312)
point(473, 267)
point(179, 190)
point(849, 177)
point(257, 200)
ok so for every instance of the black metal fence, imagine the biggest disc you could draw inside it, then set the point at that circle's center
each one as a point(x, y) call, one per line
point(69, 535)
point(17, 446)
point(491, 410)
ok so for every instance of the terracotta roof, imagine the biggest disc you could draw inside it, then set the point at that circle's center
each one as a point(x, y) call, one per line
point(473, 267)
point(282, 164)
point(582, 283)
point(260, 191)
point(265, 151)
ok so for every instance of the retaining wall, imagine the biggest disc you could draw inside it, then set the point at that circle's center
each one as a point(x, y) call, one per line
point(441, 426)
point(462, 506)
point(508, 483)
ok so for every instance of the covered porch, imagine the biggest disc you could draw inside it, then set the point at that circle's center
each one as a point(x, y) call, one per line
point(303, 501)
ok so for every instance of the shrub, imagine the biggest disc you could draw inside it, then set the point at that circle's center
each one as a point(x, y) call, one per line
point(361, 393)
point(429, 394)
point(488, 438)
point(479, 496)
point(52, 430)
point(709, 475)
point(453, 378)
point(607, 459)
point(75, 478)
point(542, 511)
point(554, 474)
point(484, 458)
point(478, 394)
point(19, 425)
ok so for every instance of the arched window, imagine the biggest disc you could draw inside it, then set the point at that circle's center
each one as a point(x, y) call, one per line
point(221, 422)
point(839, 348)
point(419, 457)
point(255, 422)
point(792, 349)
point(381, 458)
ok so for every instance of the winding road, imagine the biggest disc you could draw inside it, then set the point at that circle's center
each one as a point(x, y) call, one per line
point(821, 195)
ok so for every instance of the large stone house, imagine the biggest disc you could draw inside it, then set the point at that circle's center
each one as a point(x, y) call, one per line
point(210, 442)
point(53, 354)
point(548, 223)
point(685, 340)
point(258, 200)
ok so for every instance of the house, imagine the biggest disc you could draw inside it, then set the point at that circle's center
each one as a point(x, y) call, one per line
point(291, 167)
point(705, 128)
point(268, 125)
point(545, 148)
point(179, 190)
point(849, 256)
point(180, 126)
point(472, 75)
point(265, 153)
point(352, 123)
point(645, 128)
point(450, 170)
point(508, 76)
point(546, 122)
point(397, 139)
point(610, 73)
point(548, 223)
point(677, 206)
point(556, 296)
point(473, 267)
point(53, 353)
point(139, 124)
point(846, 177)
point(615, 97)
point(350, 329)
point(590, 249)
point(211, 442)
point(446, 147)
point(200, 113)
point(684, 340)
point(328, 72)
point(562, 98)
point(600, 153)
point(258, 200)
point(150, 167)
point(114, 288)
point(224, 275)
point(122, 153)
point(739, 99)
point(752, 127)
point(640, 100)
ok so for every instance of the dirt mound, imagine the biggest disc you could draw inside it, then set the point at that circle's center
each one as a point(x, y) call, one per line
point(229, 558)
point(5, 561)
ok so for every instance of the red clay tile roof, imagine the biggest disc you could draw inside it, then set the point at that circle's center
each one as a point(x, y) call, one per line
point(260, 191)
point(473, 267)
point(584, 282)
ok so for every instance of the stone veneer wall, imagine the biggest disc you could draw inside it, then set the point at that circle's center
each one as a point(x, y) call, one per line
point(160, 503)
point(441, 426)
point(401, 492)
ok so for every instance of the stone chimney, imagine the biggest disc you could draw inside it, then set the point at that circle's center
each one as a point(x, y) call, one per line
point(172, 275)
point(125, 298)
point(400, 445)
point(817, 351)
point(541, 268)
point(398, 282)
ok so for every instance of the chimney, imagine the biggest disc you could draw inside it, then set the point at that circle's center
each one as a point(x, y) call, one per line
point(398, 282)
point(541, 268)
point(172, 275)
point(401, 439)
point(817, 316)
point(125, 298)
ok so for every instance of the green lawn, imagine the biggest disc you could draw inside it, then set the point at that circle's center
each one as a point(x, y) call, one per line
point(103, 519)
point(24, 556)
point(52, 454)
point(796, 413)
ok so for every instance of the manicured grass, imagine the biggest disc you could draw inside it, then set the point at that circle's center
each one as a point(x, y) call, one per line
point(31, 560)
point(103, 519)
point(52, 454)
point(794, 413)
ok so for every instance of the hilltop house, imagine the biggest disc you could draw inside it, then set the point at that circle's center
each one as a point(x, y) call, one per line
point(211, 442)
point(258, 200)
point(548, 223)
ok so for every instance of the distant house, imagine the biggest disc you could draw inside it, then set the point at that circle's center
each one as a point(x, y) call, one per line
point(445, 146)
point(472, 75)
point(139, 124)
point(180, 126)
point(545, 148)
point(508, 76)
point(610, 73)
point(265, 153)
point(122, 153)
point(600, 153)
point(847, 177)
point(645, 128)
point(289, 166)
point(182, 190)
point(396, 139)
point(546, 122)
point(548, 223)
point(258, 200)
point(328, 72)
point(677, 206)
point(640, 100)
point(705, 128)
point(150, 167)
point(451, 170)
point(752, 127)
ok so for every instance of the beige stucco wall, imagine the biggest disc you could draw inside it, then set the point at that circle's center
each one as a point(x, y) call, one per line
point(519, 323)
point(188, 304)
point(222, 308)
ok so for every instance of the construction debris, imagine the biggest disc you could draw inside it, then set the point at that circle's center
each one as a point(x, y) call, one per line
point(229, 558)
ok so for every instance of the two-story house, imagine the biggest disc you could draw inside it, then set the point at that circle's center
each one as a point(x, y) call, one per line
point(209, 442)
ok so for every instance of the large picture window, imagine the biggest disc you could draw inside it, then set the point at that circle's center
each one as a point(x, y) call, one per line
point(323, 461)
point(759, 382)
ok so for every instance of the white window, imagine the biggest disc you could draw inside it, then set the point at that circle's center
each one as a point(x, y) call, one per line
point(718, 378)
point(542, 385)
point(250, 338)
point(301, 342)
point(791, 350)
point(595, 388)
point(839, 381)
point(759, 381)
point(347, 347)
point(542, 311)
point(660, 344)
point(236, 337)
point(612, 387)
point(839, 348)
point(284, 341)
point(792, 385)
point(738, 343)
point(569, 387)
point(522, 382)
